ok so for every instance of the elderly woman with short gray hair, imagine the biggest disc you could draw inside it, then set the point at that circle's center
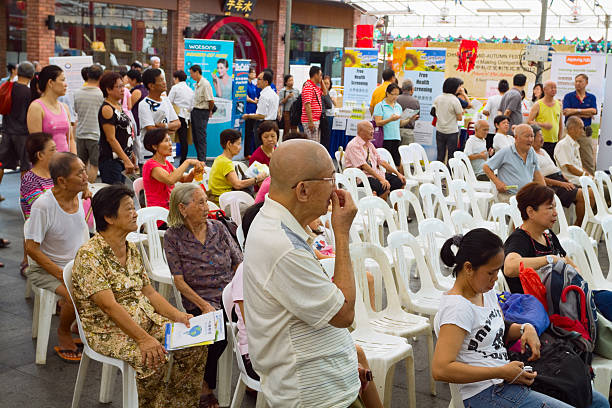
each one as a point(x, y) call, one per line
point(202, 256)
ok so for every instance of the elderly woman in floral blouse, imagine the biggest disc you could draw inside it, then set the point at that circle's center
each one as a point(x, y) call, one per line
point(123, 316)
point(203, 257)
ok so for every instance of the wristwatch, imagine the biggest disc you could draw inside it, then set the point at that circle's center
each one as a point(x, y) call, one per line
point(550, 259)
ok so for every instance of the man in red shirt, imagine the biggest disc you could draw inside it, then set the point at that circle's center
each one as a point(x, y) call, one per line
point(312, 104)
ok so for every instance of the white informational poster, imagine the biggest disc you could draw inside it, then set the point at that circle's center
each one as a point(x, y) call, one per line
point(301, 74)
point(564, 68)
point(351, 127)
point(604, 154)
point(360, 74)
point(423, 133)
point(72, 69)
point(427, 76)
point(339, 123)
point(491, 88)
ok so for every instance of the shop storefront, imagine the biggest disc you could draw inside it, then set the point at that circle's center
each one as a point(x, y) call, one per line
point(118, 32)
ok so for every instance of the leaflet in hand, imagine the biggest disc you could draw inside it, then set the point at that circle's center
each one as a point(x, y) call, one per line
point(256, 169)
point(205, 329)
point(408, 113)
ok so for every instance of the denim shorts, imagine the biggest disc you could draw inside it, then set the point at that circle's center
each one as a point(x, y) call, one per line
point(511, 396)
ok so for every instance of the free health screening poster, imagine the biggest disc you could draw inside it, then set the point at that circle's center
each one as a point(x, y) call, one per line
point(360, 71)
point(216, 58)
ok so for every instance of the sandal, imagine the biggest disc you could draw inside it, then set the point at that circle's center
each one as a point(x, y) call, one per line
point(4, 243)
point(69, 356)
point(22, 268)
point(208, 400)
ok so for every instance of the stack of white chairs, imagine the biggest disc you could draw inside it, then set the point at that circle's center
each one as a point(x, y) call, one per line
point(401, 201)
point(434, 202)
point(470, 177)
point(603, 181)
point(426, 300)
point(464, 196)
point(392, 320)
point(109, 364)
point(414, 157)
point(138, 186)
point(233, 200)
point(606, 226)
point(339, 154)
point(356, 176)
point(592, 220)
point(442, 179)
point(244, 380)
point(505, 218)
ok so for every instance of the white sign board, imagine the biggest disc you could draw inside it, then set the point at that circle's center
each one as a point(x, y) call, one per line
point(351, 127)
point(72, 69)
point(423, 133)
point(360, 74)
point(300, 74)
point(604, 154)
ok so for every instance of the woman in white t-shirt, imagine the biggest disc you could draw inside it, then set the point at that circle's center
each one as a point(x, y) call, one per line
point(471, 330)
point(502, 138)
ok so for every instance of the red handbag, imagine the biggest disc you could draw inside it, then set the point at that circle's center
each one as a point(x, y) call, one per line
point(5, 97)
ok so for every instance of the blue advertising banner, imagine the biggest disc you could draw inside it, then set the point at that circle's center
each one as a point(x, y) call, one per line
point(360, 72)
point(216, 58)
point(241, 79)
point(425, 67)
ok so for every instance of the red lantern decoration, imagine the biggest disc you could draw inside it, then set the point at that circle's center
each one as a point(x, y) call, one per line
point(21, 5)
point(364, 35)
point(468, 51)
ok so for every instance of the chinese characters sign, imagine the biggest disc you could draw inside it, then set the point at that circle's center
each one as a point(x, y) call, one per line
point(242, 7)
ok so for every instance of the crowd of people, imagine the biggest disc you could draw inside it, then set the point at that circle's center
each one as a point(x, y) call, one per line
point(293, 319)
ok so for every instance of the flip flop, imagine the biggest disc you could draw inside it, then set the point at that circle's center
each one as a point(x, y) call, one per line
point(22, 268)
point(68, 355)
point(4, 243)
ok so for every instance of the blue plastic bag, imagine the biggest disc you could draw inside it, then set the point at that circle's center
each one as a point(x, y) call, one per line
point(603, 301)
point(519, 308)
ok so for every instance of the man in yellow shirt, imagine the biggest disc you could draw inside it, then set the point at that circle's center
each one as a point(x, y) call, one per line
point(379, 93)
point(546, 113)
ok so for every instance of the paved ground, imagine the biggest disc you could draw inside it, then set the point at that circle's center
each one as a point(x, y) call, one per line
point(25, 384)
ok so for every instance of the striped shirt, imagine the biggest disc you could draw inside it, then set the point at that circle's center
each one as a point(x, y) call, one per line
point(289, 300)
point(32, 186)
point(311, 94)
point(87, 102)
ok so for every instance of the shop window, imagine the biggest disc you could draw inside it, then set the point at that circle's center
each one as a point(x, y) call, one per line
point(115, 35)
point(16, 30)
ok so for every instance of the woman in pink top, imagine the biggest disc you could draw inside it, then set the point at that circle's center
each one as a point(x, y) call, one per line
point(47, 114)
point(158, 174)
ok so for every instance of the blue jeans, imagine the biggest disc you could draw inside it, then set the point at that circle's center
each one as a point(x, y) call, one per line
point(519, 396)
point(110, 171)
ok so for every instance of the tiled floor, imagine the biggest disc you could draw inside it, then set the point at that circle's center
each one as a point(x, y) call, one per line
point(23, 384)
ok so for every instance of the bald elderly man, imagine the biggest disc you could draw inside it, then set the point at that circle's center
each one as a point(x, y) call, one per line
point(546, 113)
point(297, 317)
point(361, 153)
point(476, 149)
point(516, 165)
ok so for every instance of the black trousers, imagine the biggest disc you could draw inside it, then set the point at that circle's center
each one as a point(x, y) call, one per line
point(444, 142)
point(199, 121)
point(550, 149)
point(249, 136)
point(182, 135)
point(393, 147)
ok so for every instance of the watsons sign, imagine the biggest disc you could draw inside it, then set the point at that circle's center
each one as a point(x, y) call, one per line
point(242, 66)
point(202, 47)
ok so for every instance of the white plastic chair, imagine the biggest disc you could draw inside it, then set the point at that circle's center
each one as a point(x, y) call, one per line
point(212, 206)
point(392, 320)
point(386, 156)
point(603, 181)
point(375, 211)
point(461, 171)
point(434, 202)
point(355, 176)
point(244, 380)
point(44, 308)
point(339, 155)
point(402, 200)
point(233, 199)
point(516, 213)
point(504, 217)
point(427, 299)
point(470, 176)
point(606, 227)
point(435, 233)
point(413, 157)
point(243, 167)
point(456, 400)
point(442, 179)
point(602, 367)
point(130, 391)
point(138, 186)
point(154, 258)
point(590, 268)
point(95, 187)
point(591, 222)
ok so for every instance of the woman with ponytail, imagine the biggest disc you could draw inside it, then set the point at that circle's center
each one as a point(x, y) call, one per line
point(471, 330)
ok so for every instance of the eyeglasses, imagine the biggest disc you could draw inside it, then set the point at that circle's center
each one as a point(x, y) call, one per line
point(331, 180)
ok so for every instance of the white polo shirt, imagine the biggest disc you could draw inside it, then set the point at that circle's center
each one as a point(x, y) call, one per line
point(289, 300)
point(267, 104)
point(567, 151)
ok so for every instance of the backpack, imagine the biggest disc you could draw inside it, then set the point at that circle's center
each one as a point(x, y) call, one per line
point(6, 89)
point(230, 225)
point(562, 374)
point(295, 112)
point(568, 295)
